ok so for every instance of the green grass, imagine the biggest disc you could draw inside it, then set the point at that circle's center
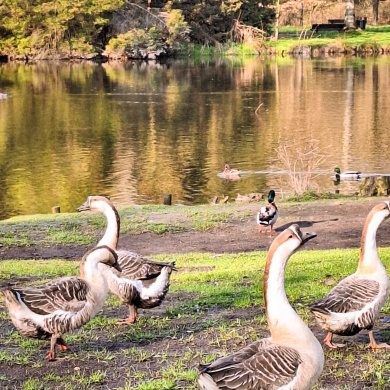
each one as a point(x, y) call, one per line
point(217, 298)
point(372, 37)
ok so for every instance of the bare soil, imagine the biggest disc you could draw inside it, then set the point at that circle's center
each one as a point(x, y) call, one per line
point(337, 224)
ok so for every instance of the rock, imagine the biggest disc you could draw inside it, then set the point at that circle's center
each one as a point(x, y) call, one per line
point(252, 197)
point(375, 186)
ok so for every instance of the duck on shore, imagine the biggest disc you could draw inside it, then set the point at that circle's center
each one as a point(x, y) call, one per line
point(355, 302)
point(292, 357)
point(62, 305)
point(268, 214)
point(142, 283)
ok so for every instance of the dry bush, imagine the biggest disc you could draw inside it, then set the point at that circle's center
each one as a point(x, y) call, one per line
point(301, 164)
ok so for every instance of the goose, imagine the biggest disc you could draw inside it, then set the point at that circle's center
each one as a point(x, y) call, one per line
point(355, 302)
point(347, 175)
point(143, 283)
point(268, 215)
point(292, 357)
point(62, 305)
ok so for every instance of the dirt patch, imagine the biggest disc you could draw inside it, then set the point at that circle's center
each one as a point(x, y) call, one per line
point(337, 224)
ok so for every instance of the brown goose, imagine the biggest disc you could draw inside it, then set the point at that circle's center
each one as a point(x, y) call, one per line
point(62, 305)
point(356, 301)
point(143, 283)
point(292, 357)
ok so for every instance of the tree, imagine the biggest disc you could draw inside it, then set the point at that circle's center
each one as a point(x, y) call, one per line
point(375, 12)
point(350, 14)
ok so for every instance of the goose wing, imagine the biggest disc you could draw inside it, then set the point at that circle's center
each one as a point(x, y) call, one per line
point(136, 267)
point(351, 294)
point(68, 294)
point(255, 367)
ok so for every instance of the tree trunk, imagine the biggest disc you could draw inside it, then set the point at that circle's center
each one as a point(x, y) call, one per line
point(277, 14)
point(350, 14)
point(375, 12)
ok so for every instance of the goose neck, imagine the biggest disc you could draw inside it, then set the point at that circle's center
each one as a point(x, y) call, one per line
point(368, 248)
point(275, 298)
point(111, 235)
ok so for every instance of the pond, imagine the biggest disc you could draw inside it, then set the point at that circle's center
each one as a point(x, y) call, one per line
point(138, 131)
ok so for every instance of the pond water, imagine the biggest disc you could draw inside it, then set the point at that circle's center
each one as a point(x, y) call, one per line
point(137, 131)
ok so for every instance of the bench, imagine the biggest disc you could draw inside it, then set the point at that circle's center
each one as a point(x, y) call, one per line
point(332, 21)
point(327, 26)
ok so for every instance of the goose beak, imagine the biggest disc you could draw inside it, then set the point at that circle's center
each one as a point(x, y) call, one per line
point(117, 266)
point(308, 236)
point(84, 207)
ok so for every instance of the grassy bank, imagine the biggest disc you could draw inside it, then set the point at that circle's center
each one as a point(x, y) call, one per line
point(292, 39)
point(374, 39)
point(85, 228)
point(214, 306)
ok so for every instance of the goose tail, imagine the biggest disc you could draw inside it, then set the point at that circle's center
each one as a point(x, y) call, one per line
point(206, 382)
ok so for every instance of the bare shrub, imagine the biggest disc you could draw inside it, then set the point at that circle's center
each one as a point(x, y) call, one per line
point(301, 164)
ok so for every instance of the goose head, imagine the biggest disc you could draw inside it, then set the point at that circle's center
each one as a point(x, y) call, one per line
point(290, 240)
point(383, 209)
point(95, 203)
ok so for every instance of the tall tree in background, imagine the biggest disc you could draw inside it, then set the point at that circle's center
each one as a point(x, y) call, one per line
point(350, 14)
point(375, 12)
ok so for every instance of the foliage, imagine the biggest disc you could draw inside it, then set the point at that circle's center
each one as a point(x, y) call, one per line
point(302, 165)
point(58, 25)
point(213, 23)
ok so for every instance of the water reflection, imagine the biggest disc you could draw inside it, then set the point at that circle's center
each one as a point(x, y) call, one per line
point(136, 131)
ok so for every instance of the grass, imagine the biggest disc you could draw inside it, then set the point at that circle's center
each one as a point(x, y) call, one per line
point(214, 306)
point(85, 229)
point(372, 37)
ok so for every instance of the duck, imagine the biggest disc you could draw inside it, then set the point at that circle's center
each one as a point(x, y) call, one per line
point(61, 305)
point(355, 302)
point(268, 214)
point(347, 175)
point(292, 357)
point(142, 283)
point(231, 173)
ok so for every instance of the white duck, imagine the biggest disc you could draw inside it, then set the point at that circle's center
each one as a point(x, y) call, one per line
point(292, 358)
point(62, 305)
point(356, 301)
point(268, 215)
point(143, 283)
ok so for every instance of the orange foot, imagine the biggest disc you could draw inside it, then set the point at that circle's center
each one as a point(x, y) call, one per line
point(127, 321)
point(51, 356)
point(61, 345)
point(329, 343)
